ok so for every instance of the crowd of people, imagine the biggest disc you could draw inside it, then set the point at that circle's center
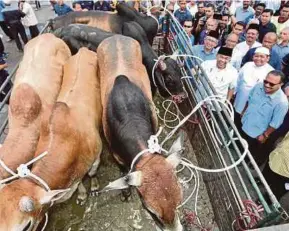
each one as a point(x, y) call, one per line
point(244, 48)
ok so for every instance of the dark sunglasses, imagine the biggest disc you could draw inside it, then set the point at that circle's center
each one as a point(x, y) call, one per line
point(186, 26)
point(270, 84)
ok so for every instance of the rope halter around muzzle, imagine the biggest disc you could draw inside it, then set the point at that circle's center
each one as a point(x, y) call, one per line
point(134, 178)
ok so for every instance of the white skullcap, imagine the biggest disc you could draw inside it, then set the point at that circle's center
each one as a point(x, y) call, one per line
point(262, 50)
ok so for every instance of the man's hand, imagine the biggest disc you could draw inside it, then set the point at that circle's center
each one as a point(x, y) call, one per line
point(262, 139)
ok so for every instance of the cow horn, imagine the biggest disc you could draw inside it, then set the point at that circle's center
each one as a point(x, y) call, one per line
point(26, 204)
point(131, 179)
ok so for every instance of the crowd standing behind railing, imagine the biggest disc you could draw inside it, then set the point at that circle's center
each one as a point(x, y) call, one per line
point(245, 49)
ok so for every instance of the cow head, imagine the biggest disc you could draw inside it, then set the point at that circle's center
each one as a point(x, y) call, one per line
point(157, 186)
point(23, 205)
point(168, 77)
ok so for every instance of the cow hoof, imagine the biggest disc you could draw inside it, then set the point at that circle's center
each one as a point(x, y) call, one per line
point(94, 193)
point(81, 199)
point(125, 195)
point(94, 184)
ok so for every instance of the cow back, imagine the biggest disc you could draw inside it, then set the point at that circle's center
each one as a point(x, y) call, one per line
point(37, 85)
point(103, 20)
point(42, 66)
point(120, 55)
point(74, 126)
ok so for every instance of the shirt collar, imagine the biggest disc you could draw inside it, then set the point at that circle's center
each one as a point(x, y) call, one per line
point(271, 96)
point(203, 50)
point(287, 45)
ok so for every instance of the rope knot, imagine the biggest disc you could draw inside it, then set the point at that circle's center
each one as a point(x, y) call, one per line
point(23, 171)
point(153, 144)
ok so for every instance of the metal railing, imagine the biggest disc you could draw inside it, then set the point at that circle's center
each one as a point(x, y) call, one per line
point(227, 190)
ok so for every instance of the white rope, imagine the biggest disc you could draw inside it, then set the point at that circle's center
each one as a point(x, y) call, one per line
point(153, 147)
point(46, 222)
point(23, 171)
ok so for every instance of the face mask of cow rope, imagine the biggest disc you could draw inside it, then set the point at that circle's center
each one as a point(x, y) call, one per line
point(25, 204)
point(135, 178)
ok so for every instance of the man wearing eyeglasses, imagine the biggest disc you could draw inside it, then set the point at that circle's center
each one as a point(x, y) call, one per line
point(264, 113)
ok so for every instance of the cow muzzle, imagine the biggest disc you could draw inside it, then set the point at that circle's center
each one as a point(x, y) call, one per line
point(177, 226)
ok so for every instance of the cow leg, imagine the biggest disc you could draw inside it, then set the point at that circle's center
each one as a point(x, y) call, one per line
point(94, 186)
point(82, 194)
point(125, 195)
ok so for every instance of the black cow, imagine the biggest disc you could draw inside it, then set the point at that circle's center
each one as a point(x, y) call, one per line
point(129, 121)
point(167, 73)
point(112, 22)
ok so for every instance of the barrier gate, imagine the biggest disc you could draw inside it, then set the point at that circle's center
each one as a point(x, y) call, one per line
point(232, 193)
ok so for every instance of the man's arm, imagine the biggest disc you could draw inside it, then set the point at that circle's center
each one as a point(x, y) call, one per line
point(2, 66)
point(230, 94)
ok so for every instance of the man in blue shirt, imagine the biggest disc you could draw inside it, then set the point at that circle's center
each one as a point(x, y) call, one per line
point(269, 41)
point(183, 14)
point(61, 8)
point(244, 13)
point(282, 48)
point(264, 113)
point(207, 51)
point(265, 24)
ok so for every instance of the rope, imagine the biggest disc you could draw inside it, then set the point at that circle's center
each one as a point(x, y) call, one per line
point(153, 147)
point(24, 172)
point(251, 211)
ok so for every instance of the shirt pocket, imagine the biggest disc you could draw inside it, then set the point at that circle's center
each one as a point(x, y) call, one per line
point(266, 111)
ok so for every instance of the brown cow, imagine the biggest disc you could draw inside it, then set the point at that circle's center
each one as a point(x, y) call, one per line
point(128, 121)
point(74, 148)
point(37, 85)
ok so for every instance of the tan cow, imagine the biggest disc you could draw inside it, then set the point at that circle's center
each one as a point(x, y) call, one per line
point(74, 148)
point(37, 85)
point(128, 121)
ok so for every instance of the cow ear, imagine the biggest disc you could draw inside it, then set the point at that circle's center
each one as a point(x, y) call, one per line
point(53, 195)
point(178, 143)
point(175, 151)
point(132, 179)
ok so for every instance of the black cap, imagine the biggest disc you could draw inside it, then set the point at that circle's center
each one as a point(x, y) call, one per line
point(253, 26)
point(225, 51)
point(213, 34)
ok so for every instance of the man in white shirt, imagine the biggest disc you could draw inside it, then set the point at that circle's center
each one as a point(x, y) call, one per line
point(222, 74)
point(251, 74)
point(243, 47)
point(30, 19)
